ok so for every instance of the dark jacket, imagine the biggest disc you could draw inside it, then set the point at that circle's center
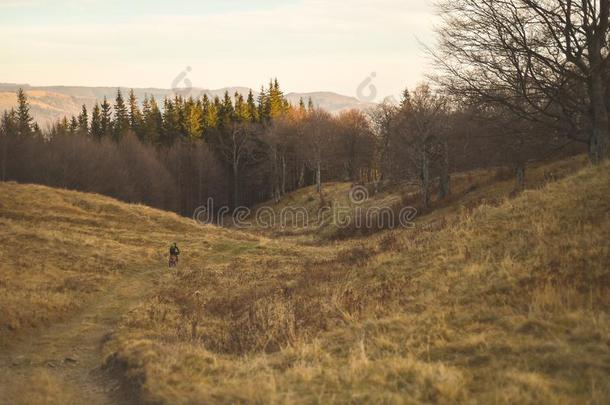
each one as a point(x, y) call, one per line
point(174, 251)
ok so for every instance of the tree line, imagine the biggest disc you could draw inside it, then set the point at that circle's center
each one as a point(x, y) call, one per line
point(515, 82)
point(237, 150)
point(241, 151)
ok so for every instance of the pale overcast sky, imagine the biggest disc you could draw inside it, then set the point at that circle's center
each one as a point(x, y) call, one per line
point(310, 45)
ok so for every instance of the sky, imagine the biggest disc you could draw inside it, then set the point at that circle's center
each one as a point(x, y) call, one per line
point(369, 49)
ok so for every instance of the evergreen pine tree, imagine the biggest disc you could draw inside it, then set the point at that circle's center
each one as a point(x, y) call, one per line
point(302, 108)
point(241, 109)
point(205, 111)
point(145, 118)
point(73, 126)
point(24, 119)
point(264, 106)
point(171, 123)
point(36, 131)
point(251, 106)
point(193, 121)
point(61, 127)
point(121, 117)
point(310, 106)
point(106, 119)
point(157, 116)
point(153, 120)
point(96, 122)
point(277, 103)
point(181, 115)
point(226, 114)
point(209, 115)
point(135, 116)
point(405, 101)
point(83, 121)
point(64, 125)
point(9, 125)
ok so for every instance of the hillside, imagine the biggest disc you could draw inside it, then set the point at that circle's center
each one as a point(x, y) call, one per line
point(50, 103)
point(468, 190)
point(507, 302)
point(71, 265)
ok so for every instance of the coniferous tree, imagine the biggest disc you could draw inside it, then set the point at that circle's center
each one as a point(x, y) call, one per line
point(264, 106)
point(241, 109)
point(157, 115)
point(145, 118)
point(96, 122)
point(83, 121)
point(8, 129)
point(171, 123)
point(310, 106)
point(209, 115)
point(405, 101)
point(24, 119)
point(153, 121)
point(181, 114)
point(226, 114)
point(9, 123)
point(302, 108)
point(205, 110)
point(135, 116)
point(106, 119)
point(251, 106)
point(193, 113)
point(73, 126)
point(64, 125)
point(121, 117)
point(36, 131)
point(277, 103)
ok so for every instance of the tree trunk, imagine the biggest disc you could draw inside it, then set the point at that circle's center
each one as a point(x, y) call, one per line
point(199, 185)
point(598, 139)
point(235, 185)
point(301, 181)
point(520, 174)
point(319, 177)
point(425, 179)
point(445, 179)
point(283, 191)
point(4, 147)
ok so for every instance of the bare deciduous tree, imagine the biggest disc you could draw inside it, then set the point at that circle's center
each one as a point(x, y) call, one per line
point(315, 142)
point(546, 60)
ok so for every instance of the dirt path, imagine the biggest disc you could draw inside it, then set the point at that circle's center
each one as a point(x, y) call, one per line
point(61, 363)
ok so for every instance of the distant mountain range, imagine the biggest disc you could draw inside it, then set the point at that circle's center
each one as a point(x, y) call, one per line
point(50, 103)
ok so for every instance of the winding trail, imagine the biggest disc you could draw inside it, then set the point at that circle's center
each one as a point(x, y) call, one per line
point(71, 351)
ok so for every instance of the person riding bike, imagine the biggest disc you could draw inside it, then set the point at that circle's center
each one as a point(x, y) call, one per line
point(174, 252)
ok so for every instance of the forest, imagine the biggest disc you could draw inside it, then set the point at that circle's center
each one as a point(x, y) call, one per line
point(241, 151)
point(507, 90)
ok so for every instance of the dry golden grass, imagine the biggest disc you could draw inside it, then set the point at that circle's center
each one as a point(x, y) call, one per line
point(61, 247)
point(506, 302)
point(469, 190)
point(70, 265)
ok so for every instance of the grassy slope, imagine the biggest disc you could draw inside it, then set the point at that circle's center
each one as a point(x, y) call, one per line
point(504, 304)
point(62, 247)
point(469, 190)
point(507, 303)
point(71, 263)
